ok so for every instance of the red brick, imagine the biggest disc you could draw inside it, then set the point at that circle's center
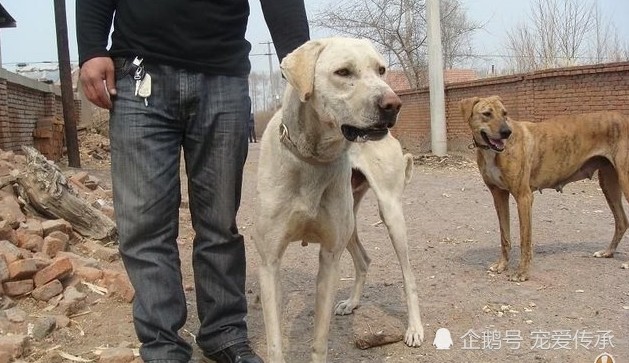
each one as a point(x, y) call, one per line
point(53, 245)
point(80, 177)
point(22, 269)
point(59, 235)
point(17, 288)
point(59, 269)
point(89, 274)
point(118, 285)
point(56, 225)
point(29, 241)
point(47, 291)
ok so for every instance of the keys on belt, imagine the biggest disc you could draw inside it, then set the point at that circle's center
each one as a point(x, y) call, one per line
point(142, 79)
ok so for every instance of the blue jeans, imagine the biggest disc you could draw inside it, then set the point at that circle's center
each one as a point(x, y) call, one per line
point(205, 116)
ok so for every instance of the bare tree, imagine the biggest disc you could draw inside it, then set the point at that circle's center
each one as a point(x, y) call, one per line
point(562, 33)
point(606, 45)
point(523, 47)
point(456, 33)
point(398, 29)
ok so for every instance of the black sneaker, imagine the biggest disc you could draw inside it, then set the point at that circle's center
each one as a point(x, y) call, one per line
point(237, 353)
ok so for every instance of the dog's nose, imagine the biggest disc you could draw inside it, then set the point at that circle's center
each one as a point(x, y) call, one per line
point(505, 132)
point(389, 105)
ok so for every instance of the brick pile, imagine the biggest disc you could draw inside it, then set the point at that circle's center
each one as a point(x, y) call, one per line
point(44, 263)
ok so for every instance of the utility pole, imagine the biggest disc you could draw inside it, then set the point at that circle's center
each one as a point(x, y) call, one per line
point(438, 135)
point(271, 83)
point(67, 94)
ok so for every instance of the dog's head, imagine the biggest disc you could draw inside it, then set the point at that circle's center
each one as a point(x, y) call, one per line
point(487, 118)
point(343, 80)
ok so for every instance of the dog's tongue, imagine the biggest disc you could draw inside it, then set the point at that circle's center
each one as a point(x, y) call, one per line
point(497, 143)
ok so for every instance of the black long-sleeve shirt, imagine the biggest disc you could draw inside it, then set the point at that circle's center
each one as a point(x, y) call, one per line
point(201, 35)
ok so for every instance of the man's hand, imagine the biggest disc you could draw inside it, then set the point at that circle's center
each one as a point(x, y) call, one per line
point(99, 81)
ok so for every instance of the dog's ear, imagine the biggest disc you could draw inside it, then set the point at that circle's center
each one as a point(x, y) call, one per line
point(467, 106)
point(299, 66)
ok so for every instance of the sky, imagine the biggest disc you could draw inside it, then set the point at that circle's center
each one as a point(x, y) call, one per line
point(34, 38)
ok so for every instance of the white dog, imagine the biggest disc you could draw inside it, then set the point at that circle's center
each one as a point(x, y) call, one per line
point(336, 94)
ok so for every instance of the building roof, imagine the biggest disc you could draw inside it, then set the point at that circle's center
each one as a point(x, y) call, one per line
point(47, 72)
point(459, 75)
point(397, 80)
point(6, 20)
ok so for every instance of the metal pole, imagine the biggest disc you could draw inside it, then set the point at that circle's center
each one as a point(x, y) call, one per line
point(67, 94)
point(438, 134)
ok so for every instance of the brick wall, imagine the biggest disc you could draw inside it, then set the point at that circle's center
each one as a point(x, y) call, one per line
point(532, 96)
point(25, 104)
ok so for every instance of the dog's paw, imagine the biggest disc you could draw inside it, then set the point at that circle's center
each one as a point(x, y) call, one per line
point(414, 336)
point(345, 307)
point(604, 253)
point(519, 276)
point(500, 266)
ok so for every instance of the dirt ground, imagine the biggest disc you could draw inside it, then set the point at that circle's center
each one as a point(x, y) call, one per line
point(573, 308)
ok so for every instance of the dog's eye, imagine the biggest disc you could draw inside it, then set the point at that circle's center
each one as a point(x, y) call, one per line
point(343, 72)
point(504, 113)
point(382, 70)
point(487, 113)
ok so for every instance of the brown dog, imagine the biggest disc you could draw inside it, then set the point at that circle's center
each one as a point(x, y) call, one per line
point(522, 157)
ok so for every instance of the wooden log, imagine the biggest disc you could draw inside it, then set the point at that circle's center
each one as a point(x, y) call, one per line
point(45, 188)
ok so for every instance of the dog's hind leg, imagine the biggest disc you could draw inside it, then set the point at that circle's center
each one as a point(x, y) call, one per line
point(361, 262)
point(610, 184)
point(393, 217)
point(501, 203)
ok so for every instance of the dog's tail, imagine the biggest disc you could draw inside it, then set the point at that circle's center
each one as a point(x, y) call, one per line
point(408, 171)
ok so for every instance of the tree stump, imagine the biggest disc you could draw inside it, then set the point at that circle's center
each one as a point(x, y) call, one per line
point(45, 188)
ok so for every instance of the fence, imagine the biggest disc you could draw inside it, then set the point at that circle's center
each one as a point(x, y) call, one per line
point(531, 96)
point(31, 114)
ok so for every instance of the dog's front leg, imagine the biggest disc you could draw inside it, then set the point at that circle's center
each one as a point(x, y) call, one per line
point(501, 203)
point(524, 200)
point(327, 281)
point(271, 296)
point(392, 215)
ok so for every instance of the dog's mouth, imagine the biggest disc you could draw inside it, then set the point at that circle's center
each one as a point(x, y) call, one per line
point(355, 134)
point(494, 144)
